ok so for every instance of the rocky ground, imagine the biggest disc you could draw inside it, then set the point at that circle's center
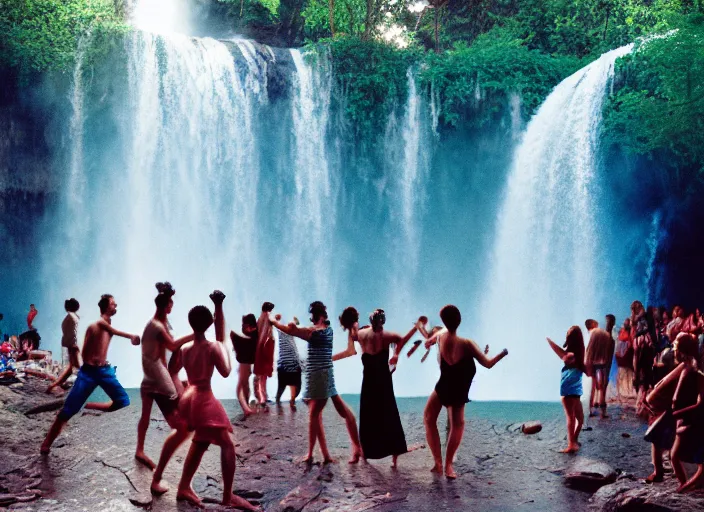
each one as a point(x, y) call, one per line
point(92, 468)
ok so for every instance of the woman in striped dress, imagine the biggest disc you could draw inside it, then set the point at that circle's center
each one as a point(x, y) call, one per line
point(320, 382)
point(288, 369)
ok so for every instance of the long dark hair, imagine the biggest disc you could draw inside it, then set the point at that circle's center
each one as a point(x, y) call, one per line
point(574, 342)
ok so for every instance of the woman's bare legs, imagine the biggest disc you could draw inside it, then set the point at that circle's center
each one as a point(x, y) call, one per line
point(456, 433)
point(570, 411)
point(173, 441)
point(190, 466)
point(315, 429)
point(579, 419)
point(243, 388)
point(430, 418)
point(345, 412)
point(658, 473)
point(228, 460)
point(142, 427)
point(676, 462)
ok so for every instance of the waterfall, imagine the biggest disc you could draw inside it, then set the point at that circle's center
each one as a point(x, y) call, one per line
point(545, 266)
point(652, 279)
point(412, 174)
point(313, 208)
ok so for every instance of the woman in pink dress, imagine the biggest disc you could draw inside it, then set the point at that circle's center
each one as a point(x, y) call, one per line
point(204, 413)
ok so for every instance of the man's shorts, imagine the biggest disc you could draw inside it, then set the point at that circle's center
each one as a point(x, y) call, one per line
point(90, 377)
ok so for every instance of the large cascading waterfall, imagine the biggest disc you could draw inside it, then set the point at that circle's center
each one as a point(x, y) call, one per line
point(546, 263)
point(180, 168)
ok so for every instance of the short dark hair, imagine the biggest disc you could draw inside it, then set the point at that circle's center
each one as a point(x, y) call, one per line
point(451, 317)
point(317, 311)
point(200, 319)
point(104, 302)
point(377, 319)
point(590, 324)
point(249, 319)
point(267, 307)
point(71, 305)
point(349, 316)
point(162, 300)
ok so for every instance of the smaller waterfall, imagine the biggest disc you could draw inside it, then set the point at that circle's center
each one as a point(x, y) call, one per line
point(652, 279)
point(313, 206)
point(546, 261)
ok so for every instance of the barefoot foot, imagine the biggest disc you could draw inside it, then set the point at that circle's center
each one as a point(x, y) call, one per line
point(142, 457)
point(572, 448)
point(437, 468)
point(158, 488)
point(394, 462)
point(241, 503)
point(190, 496)
point(329, 460)
point(355, 457)
point(450, 472)
point(45, 449)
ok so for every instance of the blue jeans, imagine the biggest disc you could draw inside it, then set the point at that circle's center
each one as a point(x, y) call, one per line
point(90, 377)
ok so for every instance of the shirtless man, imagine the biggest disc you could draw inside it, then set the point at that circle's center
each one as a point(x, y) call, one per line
point(69, 340)
point(96, 371)
point(457, 370)
point(158, 386)
point(203, 412)
point(600, 351)
point(245, 347)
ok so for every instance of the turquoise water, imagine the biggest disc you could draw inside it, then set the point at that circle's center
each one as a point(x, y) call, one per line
point(501, 412)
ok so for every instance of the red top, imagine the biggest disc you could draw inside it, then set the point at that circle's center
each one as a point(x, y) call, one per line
point(30, 317)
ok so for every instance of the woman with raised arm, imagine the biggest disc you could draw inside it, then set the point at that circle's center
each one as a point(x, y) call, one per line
point(457, 370)
point(320, 381)
point(380, 429)
point(571, 384)
point(198, 406)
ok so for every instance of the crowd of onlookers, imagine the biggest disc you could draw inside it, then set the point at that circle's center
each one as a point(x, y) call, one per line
point(659, 354)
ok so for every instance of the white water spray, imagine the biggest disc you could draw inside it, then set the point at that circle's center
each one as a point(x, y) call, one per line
point(547, 249)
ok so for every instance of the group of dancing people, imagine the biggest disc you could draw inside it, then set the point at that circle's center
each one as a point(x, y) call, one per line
point(662, 358)
point(191, 409)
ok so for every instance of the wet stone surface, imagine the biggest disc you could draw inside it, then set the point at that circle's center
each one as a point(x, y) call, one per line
point(91, 466)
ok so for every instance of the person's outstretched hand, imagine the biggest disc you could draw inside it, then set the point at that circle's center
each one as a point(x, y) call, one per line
point(135, 339)
point(217, 297)
point(486, 350)
point(393, 361)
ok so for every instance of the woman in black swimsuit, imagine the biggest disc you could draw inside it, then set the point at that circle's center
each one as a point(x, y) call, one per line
point(457, 370)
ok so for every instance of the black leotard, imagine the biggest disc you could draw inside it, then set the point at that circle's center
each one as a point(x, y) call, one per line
point(455, 381)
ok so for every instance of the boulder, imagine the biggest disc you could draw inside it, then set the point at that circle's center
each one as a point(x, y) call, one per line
point(531, 427)
point(589, 475)
point(631, 496)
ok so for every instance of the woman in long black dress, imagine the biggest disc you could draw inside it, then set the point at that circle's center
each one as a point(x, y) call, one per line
point(380, 429)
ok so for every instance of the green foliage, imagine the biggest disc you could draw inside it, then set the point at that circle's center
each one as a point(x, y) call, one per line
point(348, 17)
point(372, 77)
point(659, 107)
point(43, 35)
point(494, 66)
point(251, 13)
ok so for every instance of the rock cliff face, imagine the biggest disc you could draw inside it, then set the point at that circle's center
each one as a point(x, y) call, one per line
point(25, 171)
